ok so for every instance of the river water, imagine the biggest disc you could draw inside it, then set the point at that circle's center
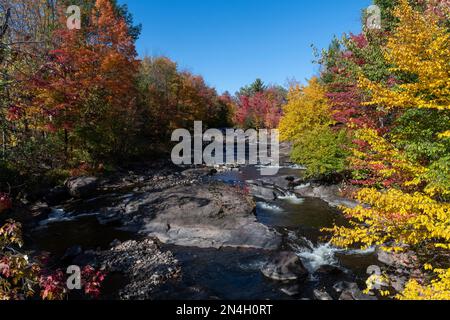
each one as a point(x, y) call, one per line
point(226, 273)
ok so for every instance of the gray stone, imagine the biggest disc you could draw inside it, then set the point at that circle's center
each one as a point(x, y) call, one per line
point(144, 264)
point(285, 266)
point(201, 215)
point(82, 187)
point(322, 295)
point(351, 291)
point(291, 291)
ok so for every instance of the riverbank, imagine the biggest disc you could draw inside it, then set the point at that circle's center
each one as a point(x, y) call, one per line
point(166, 232)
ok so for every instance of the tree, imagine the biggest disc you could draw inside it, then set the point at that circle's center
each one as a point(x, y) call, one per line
point(257, 86)
point(86, 94)
point(405, 168)
point(307, 122)
point(259, 106)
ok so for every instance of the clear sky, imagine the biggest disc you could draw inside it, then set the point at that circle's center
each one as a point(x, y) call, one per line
point(233, 42)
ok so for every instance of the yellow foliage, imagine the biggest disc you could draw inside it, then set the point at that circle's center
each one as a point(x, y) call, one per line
point(439, 289)
point(306, 109)
point(392, 219)
point(419, 47)
point(389, 161)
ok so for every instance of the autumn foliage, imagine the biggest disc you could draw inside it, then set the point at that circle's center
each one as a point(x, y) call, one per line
point(388, 90)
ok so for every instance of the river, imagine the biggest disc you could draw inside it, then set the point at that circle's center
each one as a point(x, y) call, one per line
point(225, 273)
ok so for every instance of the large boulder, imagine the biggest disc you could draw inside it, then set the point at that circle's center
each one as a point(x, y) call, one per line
point(285, 266)
point(201, 215)
point(82, 187)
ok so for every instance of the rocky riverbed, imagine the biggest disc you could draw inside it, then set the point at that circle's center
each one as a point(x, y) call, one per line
point(166, 232)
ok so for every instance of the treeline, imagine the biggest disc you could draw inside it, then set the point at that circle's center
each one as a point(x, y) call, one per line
point(81, 99)
point(378, 118)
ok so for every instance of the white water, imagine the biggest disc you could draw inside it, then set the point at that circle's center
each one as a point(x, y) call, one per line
point(292, 198)
point(292, 166)
point(314, 256)
point(268, 207)
point(59, 215)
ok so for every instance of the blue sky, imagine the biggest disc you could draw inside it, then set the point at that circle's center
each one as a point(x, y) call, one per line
point(233, 42)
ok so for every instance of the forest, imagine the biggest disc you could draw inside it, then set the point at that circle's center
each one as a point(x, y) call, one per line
point(375, 120)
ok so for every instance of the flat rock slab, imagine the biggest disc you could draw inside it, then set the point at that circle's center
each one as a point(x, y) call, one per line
point(201, 215)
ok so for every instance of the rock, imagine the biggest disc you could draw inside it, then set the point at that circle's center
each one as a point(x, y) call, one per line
point(82, 187)
point(40, 209)
point(356, 294)
point(397, 260)
point(144, 264)
point(283, 182)
point(329, 270)
point(262, 192)
point(115, 243)
point(329, 194)
point(291, 291)
point(201, 215)
point(72, 252)
point(57, 195)
point(351, 291)
point(398, 282)
point(341, 286)
point(285, 266)
point(322, 295)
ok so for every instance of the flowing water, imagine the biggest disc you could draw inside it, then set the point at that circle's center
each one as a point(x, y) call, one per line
point(225, 273)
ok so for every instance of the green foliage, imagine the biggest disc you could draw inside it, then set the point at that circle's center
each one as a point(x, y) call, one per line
point(250, 90)
point(417, 132)
point(322, 151)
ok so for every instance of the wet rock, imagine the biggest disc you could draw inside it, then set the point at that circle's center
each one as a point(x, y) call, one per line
point(341, 286)
point(329, 194)
point(283, 182)
point(145, 265)
point(285, 266)
point(82, 187)
point(351, 291)
point(330, 270)
point(201, 215)
point(322, 295)
point(262, 192)
point(291, 291)
point(57, 195)
point(40, 209)
point(72, 252)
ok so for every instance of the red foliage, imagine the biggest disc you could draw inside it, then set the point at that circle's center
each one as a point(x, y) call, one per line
point(54, 285)
point(261, 110)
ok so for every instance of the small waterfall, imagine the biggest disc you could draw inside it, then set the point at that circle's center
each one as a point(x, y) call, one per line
point(314, 256)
